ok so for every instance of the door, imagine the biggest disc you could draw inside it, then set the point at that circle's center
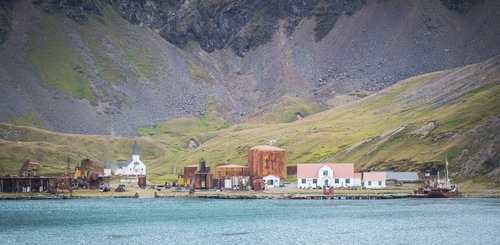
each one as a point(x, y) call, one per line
point(228, 184)
point(326, 183)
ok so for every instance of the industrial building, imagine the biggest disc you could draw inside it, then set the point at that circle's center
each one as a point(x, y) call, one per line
point(196, 176)
point(203, 178)
point(265, 160)
point(236, 177)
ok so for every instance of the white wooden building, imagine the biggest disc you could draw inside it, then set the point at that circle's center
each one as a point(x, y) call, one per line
point(317, 175)
point(271, 181)
point(374, 180)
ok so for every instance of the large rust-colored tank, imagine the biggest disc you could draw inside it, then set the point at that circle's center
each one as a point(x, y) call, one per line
point(223, 171)
point(265, 160)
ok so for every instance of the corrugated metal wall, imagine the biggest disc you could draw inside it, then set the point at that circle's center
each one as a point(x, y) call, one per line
point(266, 160)
point(222, 171)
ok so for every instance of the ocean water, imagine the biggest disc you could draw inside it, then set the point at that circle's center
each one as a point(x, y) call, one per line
point(207, 221)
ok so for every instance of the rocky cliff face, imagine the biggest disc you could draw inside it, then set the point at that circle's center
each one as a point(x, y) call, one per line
point(148, 60)
point(5, 19)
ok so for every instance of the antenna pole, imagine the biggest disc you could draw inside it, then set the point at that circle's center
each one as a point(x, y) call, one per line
point(68, 167)
point(447, 183)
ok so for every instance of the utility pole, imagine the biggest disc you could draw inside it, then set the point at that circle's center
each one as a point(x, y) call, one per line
point(67, 167)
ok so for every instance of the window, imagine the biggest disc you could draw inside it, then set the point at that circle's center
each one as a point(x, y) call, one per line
point(369, 183)
point(347, 181)
point(336, 181)
point(380, 183)
point(325, 172)
point(315, 181)
point(270, 182)
point(303, 181)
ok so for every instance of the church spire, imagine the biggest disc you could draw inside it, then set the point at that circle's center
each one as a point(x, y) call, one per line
point(136, 149)
point(107, 165)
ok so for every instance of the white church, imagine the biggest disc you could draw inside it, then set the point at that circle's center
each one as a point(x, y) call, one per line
point(132, 167)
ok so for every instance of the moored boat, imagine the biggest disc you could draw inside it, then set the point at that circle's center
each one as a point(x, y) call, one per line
point(443, 192)
point(438, 188)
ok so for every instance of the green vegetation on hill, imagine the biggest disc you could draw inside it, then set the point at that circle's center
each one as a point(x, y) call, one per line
point(84, 60)
point(387, 129)
point(286, 109)
point(58, 66)
point(27, 118)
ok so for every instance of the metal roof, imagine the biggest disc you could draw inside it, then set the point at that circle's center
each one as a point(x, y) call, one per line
point(129, 161)
point(402, 175)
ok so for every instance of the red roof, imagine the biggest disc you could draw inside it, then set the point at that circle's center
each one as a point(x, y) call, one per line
point(340, 170)
point(374, 176)
point(357, 175)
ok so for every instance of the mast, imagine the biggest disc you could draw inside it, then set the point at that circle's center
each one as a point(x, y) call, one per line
point(447, 184)
point(68, 169)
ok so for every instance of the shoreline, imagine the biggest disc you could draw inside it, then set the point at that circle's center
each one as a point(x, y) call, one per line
point(239, 195)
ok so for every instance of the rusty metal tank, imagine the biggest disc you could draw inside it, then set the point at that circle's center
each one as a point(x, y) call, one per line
point(265, 160)
point(223, 171)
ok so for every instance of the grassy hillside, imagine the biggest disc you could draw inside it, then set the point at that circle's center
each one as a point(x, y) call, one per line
point(417, 121)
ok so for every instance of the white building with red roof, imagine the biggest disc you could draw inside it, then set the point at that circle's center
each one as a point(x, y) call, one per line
point(374, 179)
point(317, 175)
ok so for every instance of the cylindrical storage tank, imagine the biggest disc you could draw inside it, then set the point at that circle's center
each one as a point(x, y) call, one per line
point(223, 171)
point(265, 160)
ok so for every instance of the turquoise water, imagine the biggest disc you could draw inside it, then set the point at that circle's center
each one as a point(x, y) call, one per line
point(204, 221)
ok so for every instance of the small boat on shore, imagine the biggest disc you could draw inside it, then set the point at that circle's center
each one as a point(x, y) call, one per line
point(443, 192)
point(438, 188)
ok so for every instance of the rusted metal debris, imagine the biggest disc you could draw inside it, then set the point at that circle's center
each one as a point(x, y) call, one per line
point(29, 169)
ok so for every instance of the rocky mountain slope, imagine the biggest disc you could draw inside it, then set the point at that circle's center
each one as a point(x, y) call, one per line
point(109, 67)
point(411, 125)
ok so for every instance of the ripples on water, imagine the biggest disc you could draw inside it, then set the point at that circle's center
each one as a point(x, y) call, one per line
point(188, 221)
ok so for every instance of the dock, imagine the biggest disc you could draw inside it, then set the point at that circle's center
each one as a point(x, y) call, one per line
point(294, 196)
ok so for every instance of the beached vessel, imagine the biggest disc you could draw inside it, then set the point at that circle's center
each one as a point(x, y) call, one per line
point(438, 188)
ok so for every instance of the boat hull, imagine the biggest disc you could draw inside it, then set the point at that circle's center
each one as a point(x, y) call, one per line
point(442, 193)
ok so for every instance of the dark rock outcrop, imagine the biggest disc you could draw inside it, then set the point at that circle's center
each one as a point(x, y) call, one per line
point(5, 19)
point(75, 9)
point(316, 49)
point(241, 25)
point(461, 6)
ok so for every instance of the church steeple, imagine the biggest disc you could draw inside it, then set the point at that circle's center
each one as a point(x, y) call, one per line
point(107, 165)
point(136, 149)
